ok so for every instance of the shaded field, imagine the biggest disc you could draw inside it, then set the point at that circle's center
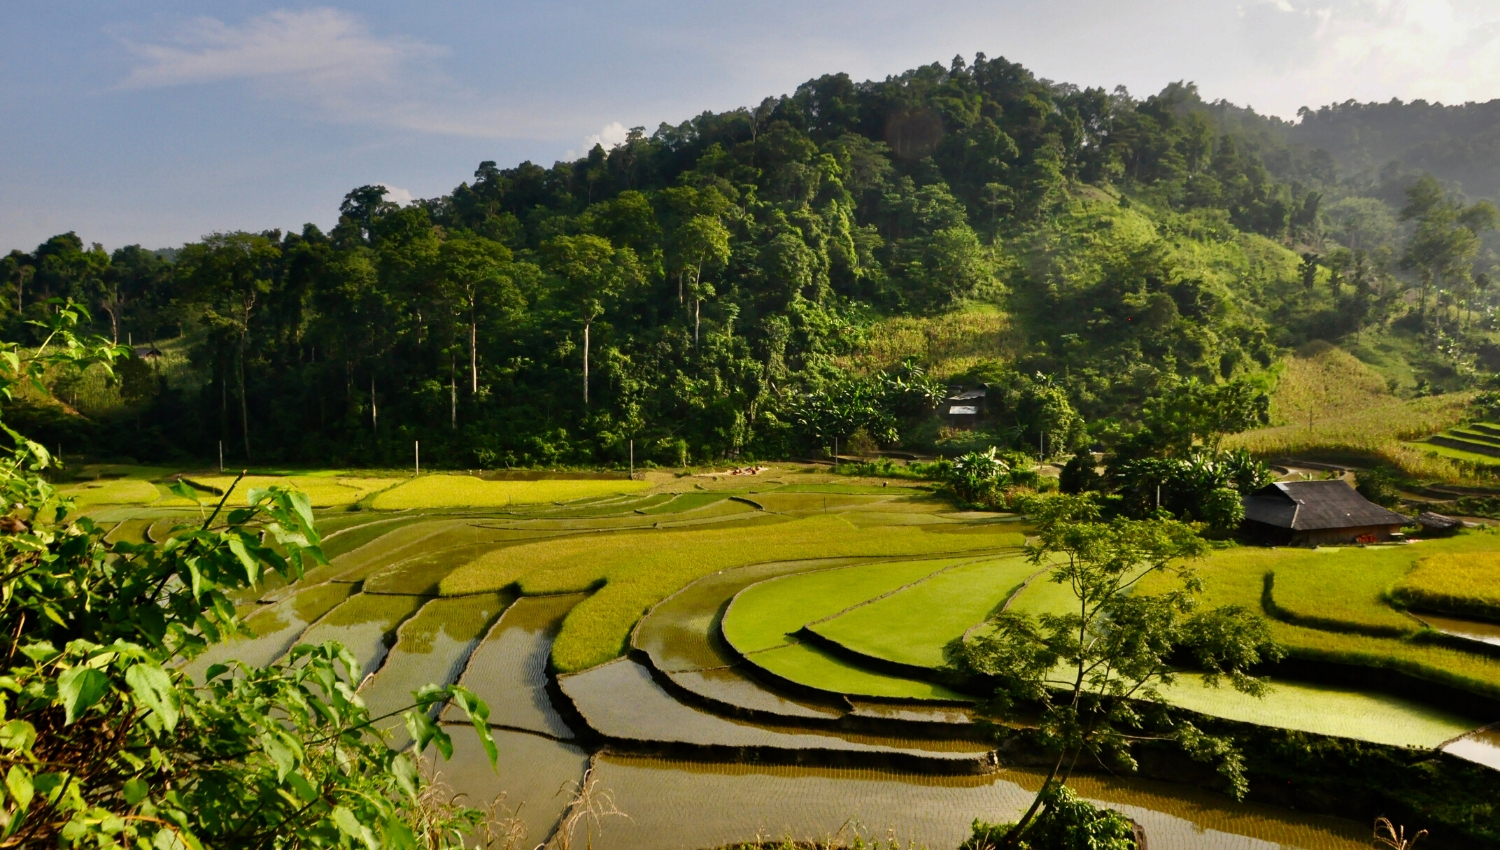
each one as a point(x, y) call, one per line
point(466, 491)
point(1460, 583)
point(912, 626)
point(632, 571)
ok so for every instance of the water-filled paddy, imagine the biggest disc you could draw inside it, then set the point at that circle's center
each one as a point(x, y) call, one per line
point(277, 627)
point(533, 780)
point(431, 648)
point(1475, 630)
point(508, 670)
point(665, 804)
point(366, 625)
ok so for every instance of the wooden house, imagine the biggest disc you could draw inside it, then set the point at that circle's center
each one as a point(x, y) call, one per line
point(1310, 513)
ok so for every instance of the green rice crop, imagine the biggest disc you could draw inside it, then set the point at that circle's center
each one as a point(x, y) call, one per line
point(1460, 583)
point(1325, 710)
point(111, 491)
point(1453, 454)
point(635, 570)
point(767, 614)
point(1345, 588)
point(813, 667)
point(1236, 577)
point(912, 626)
point(466, 491)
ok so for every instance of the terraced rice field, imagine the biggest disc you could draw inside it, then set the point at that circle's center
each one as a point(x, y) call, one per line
point(1455, 582)
point(774, 638)
point(1477, 443)
point(432, 647)
point(276, 628)
point(466, 491)
point(913, 626)
point(324, 490)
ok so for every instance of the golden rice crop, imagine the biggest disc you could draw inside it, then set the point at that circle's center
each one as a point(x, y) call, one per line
point(635, 570)
point(1462, 583)
point(466, 491)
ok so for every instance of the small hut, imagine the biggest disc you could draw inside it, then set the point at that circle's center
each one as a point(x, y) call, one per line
point(1309, 513)
point(963, 408)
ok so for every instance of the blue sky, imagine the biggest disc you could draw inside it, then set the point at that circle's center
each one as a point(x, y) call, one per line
point(157, 122)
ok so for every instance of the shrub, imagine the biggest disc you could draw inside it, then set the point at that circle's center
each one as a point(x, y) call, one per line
point(1379, 486)
point(1067, 823)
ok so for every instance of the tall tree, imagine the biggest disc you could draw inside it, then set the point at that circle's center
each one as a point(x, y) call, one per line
point(229, 273)
point(471, 267)
point(593, 273)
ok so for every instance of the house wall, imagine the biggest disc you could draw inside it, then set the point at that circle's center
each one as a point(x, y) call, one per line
point(1274, 536)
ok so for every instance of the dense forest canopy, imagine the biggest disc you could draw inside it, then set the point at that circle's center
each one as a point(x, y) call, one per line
point(702, 290)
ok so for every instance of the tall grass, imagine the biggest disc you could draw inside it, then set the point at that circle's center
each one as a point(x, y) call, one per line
point(946, 345)
point(1328, 404)
point(632, 571)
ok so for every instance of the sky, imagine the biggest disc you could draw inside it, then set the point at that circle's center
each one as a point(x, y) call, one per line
point(154, 123)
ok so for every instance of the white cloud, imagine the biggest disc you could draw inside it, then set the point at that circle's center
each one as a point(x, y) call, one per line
point(611, 136)
point(397, 196)
point(330, 61)
point(1333, 50)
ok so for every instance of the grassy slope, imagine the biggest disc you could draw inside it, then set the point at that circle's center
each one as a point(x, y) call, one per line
point(1327, 403)
point(638, 569)
point(914, 625)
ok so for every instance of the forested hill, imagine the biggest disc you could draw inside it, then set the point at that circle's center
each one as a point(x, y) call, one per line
point(767, 280)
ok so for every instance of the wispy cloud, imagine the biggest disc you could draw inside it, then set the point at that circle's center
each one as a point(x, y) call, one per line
point(330, 61)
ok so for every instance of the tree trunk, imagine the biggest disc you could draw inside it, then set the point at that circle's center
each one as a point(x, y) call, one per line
point(697, 318)
point(586, 363)
point(453, 394)
point(244, 404)
point(473, 352)
point(374, 411)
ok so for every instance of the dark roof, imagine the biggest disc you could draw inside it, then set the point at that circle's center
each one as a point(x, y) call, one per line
point(970, 395)
point(1314, 505)
point(1438, 522)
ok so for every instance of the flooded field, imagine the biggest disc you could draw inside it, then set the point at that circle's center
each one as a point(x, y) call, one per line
point(782, 735)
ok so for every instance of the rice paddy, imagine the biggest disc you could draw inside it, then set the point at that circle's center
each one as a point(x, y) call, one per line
point(1466, 583)
point(466, 491)
point(324, 490)
point(791, 634)
point(111, 491)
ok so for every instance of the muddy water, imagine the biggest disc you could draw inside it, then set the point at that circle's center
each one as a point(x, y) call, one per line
point(532, 782)
point(621, 701)
point(366, 626)
point(508, 670)
point(1481, 747)
point(431, 648)
point(1467, 629)
point(276, 628)
point(672, 805)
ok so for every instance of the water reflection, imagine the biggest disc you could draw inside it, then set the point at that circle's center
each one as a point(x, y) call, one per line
point(1467, 629)
point(1481, 747)
point(665, 804)
point(508, 670)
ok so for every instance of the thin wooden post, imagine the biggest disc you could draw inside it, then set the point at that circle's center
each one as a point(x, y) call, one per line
point(221, 457)
point(632, 460)
point(417, 449)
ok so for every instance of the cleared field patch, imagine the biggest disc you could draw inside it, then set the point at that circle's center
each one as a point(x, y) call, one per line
point(366, 625)
point(508, 670)
point(1466, 583)
point(466, 491)
point(431, 648)
point(769, 614)
point(912, 626)
point(813, 667)
point(634, 570)
point(620, 700)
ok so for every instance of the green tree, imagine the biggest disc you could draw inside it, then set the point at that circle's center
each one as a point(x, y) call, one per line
point(472, 269)
point(594, 273)
point(1096, 673)
point(702, 241)
point(105, 739)
point(1445, 243)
